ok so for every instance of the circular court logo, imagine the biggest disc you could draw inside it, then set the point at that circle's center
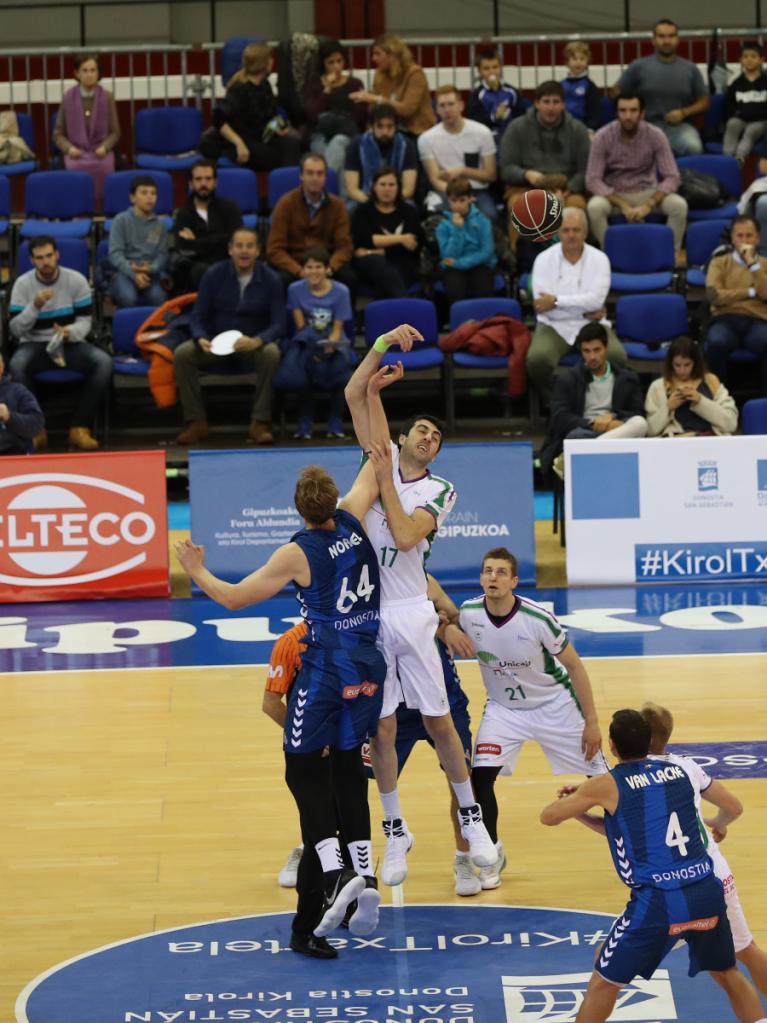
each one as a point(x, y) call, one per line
point(427, 964)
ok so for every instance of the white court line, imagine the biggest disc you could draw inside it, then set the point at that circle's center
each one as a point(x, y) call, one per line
point(265, 664)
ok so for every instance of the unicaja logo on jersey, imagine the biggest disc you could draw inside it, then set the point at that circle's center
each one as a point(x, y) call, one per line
point(59, 529)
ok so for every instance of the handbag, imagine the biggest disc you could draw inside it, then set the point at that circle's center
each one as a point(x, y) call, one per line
point(333, 122)
point(702, 191)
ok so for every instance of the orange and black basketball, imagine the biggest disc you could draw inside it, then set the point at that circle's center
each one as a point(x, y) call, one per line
point(536, 214)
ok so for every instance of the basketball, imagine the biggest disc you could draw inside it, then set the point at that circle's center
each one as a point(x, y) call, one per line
point(536, 214)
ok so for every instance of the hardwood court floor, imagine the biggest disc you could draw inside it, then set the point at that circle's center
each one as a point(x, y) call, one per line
point(138, 800)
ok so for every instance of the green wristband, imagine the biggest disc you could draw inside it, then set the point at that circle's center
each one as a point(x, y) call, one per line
point(381, 344)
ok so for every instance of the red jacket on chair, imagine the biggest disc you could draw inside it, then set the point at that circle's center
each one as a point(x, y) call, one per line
point(499, 336)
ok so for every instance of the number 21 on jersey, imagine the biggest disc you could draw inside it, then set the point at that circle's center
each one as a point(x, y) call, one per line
point(348, 597)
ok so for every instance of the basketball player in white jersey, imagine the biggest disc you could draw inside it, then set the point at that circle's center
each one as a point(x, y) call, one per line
point(537, 689)
point(747, 951)
point(414, 503)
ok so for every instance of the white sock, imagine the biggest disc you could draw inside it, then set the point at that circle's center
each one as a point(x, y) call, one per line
point(390, 804)
point(464, 793)
point(329, 853)
point(362, 856)
point(461, 855)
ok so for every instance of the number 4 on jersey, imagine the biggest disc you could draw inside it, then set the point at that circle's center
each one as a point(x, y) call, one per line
point(348, 598)
point(675, 836)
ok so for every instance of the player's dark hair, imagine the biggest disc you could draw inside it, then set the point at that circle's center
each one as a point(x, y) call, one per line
point(592, 332)
point(316, 496)
point(684, 347)
point(743, 219)
point(383, 112)
point(242, 229)
point(459, 188)
point(204, 164)
point(502, 554)
point(664, 21)
point(550, 88)
point(486, 51)
point(408, 425)
point(661, 722)
point(751, 44)
point(630, 734)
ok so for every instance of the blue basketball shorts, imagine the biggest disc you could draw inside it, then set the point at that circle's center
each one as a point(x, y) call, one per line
point(336, 702)
point(655, 920)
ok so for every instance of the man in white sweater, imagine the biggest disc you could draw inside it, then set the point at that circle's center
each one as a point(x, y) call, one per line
point(570, 282)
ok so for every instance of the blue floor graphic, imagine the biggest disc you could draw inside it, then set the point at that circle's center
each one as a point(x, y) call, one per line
point(603, 622)
point(432, 964)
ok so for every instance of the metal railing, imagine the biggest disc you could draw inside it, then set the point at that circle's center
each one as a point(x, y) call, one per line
point(35, 79)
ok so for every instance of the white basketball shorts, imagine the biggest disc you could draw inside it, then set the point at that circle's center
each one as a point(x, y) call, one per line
point(414, 673)
point(557, 727)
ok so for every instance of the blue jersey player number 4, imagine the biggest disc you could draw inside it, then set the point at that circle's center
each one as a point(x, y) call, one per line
point(651, 823)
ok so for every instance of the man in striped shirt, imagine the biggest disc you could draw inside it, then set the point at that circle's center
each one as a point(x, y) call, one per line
point(537, 689)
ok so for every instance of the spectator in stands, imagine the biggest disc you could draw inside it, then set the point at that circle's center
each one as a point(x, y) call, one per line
point(321, 308)
point(466, 248)
point(21, 418)
point(50, 318)
point(745, 105)
point(458, 148)
point(686, 400)
point(672, 88)
point(333, 118)
point(387, 236)
point(381, 146)
point(493, 103)
point(401, 82)
point(583, 100)
point(87, 129)
point(595, 400)
point(203, 227)
point(243, 294)
point(308, 216)
point(138, 250)
point(736, 288)
point(631, 170)
point(547, 148)
point(571, 281)
point(253, 132)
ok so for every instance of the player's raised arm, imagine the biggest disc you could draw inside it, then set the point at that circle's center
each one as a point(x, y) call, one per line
point(600, 790)
point(407, 530)
point(355, 391)
point(286, 564)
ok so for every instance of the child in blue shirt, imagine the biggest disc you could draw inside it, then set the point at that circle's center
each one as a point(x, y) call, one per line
point(320, 308)
point(582, 98)
point(492, 103)
point(466, 247)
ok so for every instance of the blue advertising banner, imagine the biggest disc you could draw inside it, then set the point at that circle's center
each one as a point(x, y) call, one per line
point(242, 505)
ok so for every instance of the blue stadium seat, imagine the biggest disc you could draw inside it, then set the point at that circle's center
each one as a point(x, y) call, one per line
point(59, 203)
point(117, 194)
point(386, 313)
point(5, 205)
point(167, 138)
point(128, 360)
point(644, 320)
point(231, 55)
point(27, 132)
point(754, 418)
point(702, 238)
point(241, 185)
point(727, 171)
point(73, 253)
point(641, 257)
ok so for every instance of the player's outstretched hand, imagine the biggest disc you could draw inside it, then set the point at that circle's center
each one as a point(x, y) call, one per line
point(191, 555)
point(566, 790)
point(380, 459)
point(405, 336)
point(384, 377)
point(457, 642)
point(591, 742)
point(719, 831)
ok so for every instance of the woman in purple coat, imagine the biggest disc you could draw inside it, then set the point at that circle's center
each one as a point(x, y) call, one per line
point(87, 128)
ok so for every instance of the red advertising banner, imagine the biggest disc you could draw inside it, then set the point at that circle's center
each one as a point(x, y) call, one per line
point(83, 526)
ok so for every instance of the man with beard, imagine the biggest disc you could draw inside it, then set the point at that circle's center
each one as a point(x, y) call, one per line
point(202, 228)
point(672, 88)
point(631, 170)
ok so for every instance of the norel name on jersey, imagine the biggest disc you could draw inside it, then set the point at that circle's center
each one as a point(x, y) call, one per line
point(669, 773)
point(344, 544)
